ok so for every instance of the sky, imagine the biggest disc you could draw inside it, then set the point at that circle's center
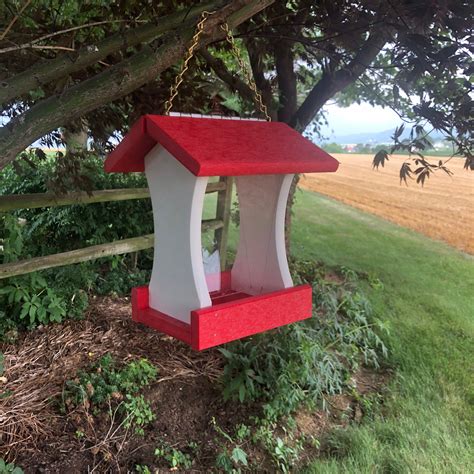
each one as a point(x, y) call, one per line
point(358, 118)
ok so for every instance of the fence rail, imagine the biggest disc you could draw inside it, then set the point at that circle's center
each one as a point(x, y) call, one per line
point(118, 247)
point(30, 201)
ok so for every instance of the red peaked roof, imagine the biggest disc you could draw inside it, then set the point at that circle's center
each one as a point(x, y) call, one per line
point(213, 147)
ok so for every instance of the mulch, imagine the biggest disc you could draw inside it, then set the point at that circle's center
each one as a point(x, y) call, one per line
point(185, 398)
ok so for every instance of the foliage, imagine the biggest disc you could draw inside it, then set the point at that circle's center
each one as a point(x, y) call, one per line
point(333, 148)
point(63, 228)
point(30, 300)
point(415, 146)
point(9, 468)
point(52, 295)
point(142, 469)
point(232, 459)
point(284, 453)
point(301, 362)
point(138, 413)
point(105, 383)
point(175, 458)
point(412, 56)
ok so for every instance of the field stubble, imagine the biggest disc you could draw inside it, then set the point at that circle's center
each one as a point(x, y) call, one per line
point(442, 209)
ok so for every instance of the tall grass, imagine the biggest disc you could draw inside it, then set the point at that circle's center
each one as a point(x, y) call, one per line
point(426, 423)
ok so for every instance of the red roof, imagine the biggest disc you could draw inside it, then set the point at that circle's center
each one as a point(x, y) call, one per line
point(213, 147)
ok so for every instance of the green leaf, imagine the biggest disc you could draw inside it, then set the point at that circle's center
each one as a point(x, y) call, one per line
point(239, 456)
point(7, 289)
point(241, 393)
point(24, 310)
point(32, 313)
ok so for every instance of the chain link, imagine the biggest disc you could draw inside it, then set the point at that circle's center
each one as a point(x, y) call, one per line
point(244, 69)
point(236, 51)
point(189, 55)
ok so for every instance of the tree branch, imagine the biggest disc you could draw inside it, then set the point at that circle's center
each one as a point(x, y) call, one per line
point(115, 82)
point(31, 43)
point(65, 64)
point(284, 63)
point(233, 82)
point(333, 82)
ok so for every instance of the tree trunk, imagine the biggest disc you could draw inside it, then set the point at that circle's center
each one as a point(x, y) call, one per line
point(284, 62)
point(75, 138)
point(327, 87)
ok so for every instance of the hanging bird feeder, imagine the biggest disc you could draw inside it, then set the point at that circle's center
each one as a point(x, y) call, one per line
point(178, 155)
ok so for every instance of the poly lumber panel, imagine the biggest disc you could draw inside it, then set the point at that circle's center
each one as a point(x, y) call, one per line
point(142, 313)
point(213, 147)
point(130, 153)
point(241, 318)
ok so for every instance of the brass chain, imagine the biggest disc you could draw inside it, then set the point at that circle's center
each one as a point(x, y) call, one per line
point(244, 69)
point(189, 55)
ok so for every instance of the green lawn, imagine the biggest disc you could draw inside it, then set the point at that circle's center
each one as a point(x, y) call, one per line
point(426, 424)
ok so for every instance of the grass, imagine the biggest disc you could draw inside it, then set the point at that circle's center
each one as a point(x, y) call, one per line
point(425, 424)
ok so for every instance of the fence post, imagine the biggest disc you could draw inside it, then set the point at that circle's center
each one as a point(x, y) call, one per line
point(224, 202)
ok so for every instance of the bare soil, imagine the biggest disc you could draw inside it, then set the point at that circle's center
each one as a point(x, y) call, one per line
point(185, 398)
point(442, 209)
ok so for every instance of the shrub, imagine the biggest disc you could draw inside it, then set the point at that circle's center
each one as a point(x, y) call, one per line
point(52, 295)
point(30, 300)
point(301, 362)
point(57, 229)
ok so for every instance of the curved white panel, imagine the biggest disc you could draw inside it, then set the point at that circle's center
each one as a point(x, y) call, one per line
point(261, 264)
point(178, 284)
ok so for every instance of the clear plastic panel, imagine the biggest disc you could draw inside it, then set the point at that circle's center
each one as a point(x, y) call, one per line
point(212, 269)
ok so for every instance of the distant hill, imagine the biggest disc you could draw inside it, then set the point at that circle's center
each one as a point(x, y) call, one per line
point(376, 137)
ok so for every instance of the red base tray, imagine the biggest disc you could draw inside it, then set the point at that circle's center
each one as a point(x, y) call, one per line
point(233, 315)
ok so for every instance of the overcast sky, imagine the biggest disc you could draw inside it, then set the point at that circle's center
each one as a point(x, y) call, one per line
point(359, 118)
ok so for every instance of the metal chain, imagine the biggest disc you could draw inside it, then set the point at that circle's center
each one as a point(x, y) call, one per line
point(190, 53)
point(244, 69)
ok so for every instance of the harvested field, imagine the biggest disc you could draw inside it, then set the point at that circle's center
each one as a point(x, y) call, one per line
point(442, 209)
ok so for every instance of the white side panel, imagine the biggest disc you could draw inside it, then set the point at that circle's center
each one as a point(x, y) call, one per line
point(261, 265)
point(178, 284)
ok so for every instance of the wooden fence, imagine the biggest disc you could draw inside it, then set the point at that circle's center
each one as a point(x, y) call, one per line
point(219, 225)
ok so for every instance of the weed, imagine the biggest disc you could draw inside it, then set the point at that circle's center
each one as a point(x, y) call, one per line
point(286, 452)
point(105, 383)
point(139, 413)
point(232, 459)
point(175, 458)
point(9, 468)
point(142, 469)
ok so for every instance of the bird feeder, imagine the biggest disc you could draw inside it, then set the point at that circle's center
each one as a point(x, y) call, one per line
point(178, 155)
